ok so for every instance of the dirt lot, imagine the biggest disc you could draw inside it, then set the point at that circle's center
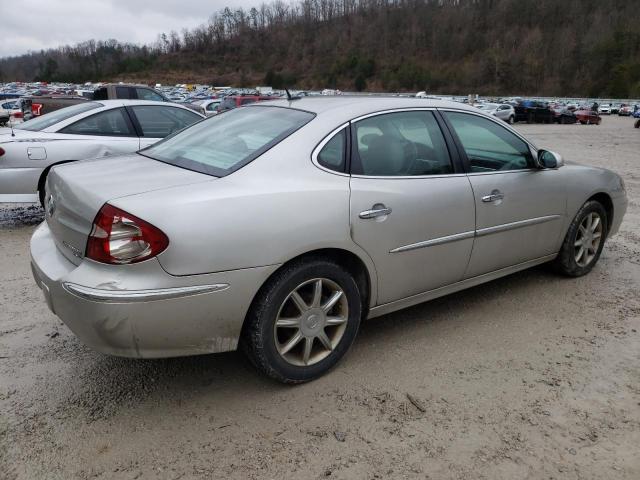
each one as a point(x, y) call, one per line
point(532, 376)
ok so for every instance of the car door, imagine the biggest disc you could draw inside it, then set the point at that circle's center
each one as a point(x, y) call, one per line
point(411, 208)
point(520, 208)
point(110, 131)
point(155, 122)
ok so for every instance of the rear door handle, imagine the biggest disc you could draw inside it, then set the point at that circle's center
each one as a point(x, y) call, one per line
point(378, 210)
point(494, 196)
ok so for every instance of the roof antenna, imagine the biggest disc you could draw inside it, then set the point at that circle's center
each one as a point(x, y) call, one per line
point(291, 97)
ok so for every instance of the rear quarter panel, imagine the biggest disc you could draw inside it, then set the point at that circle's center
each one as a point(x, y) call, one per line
point(270, 211)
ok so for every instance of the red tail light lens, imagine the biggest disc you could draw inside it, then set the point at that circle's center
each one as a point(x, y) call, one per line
point(1, 151)
point(117, 238)
point(35, 109)
point(17, 115)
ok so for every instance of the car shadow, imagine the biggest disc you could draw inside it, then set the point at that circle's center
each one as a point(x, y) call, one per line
point(101, 385)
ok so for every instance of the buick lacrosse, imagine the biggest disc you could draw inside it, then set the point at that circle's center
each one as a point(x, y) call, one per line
point(278, 227)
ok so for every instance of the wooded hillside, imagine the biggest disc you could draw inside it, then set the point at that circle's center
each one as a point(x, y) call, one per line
point(544, 47)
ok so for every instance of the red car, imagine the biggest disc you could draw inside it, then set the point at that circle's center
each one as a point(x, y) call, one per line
point(234, 101)
point(587, 117)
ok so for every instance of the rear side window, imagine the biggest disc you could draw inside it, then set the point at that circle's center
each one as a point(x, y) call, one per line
point(100, 94)
point(123, 93)
point(113, 123)
point(160, 121)
point(332, 155)
point(212, 106)
point(400, 144)
point(57, 116)
point(222, 144)
point(148, 94)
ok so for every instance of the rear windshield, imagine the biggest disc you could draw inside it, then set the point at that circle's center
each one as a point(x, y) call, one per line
point(45, 121)
point(222, 144)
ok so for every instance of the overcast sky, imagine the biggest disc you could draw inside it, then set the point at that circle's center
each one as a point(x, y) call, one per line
point(41, 24)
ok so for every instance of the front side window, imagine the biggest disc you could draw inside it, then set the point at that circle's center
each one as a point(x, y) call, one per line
point(400, 144)
point(489, 146)
point(110, 122)
point(332, 155)
point(57, 116)
point(158, 121)
point(222, 144)
point(146, 94)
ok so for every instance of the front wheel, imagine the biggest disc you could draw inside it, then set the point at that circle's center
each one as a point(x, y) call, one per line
point(584, 241)
point(303, 321)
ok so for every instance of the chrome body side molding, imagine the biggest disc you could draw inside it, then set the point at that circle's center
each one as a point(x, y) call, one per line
point(127, 296)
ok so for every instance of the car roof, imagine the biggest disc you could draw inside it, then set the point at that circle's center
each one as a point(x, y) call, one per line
point(356, 105)
point(120, 102)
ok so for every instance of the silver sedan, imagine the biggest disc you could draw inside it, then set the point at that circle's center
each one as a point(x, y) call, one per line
point(503, 111)
point(279, 226)
point(90, 129)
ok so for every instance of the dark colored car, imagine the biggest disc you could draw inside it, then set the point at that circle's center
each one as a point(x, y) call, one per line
point(533, 111)
point(564, 115)
point(587, 117)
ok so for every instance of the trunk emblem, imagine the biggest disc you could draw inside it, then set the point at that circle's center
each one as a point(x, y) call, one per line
point(51, 205)
point(76, 251)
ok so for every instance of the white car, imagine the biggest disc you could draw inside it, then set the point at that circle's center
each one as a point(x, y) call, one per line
point(503, 111)
point(604, 109)
point(208, 107)
point(10, 111)
point(82, 131)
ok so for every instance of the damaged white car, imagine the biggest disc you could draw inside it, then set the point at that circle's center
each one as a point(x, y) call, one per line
point(87, 130)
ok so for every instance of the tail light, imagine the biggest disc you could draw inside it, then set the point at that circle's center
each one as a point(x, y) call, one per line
point(35, 109)
point(17, 115)
point(117, 237)
point(1, 151)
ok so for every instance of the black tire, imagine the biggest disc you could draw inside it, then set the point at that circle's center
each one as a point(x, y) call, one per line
point(258, 338)
point(565, 263)
point(637, 124)
point(41, 190)
point(512, 120)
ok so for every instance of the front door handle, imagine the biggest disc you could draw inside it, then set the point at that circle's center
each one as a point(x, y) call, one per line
point(493, 197)
point(378, 210)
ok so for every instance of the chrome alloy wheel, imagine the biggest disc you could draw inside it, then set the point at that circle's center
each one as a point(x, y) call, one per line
point(311, 322)
point(588, 239)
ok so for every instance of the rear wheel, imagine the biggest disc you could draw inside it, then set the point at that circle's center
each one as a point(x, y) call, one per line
point(512, 120)
point(303, 321)
point(584, 241)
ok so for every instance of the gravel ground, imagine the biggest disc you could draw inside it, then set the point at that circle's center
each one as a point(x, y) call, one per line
point(531, 376)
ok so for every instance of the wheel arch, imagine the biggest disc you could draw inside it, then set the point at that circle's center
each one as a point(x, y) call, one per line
point(605, 200)
point(43, 178)
point(354, 264)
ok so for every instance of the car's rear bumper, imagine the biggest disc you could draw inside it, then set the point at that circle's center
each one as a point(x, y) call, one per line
point(140, 310)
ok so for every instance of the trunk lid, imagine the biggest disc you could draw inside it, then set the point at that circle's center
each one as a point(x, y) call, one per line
point(75, 193)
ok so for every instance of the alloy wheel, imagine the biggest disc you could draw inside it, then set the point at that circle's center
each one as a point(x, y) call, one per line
point(311, 321)
point(588, 239)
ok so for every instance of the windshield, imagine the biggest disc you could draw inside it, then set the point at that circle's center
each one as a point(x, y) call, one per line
point(45, 121)
point(224, 143)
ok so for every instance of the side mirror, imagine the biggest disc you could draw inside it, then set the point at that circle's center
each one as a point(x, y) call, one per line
point(549, 159)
